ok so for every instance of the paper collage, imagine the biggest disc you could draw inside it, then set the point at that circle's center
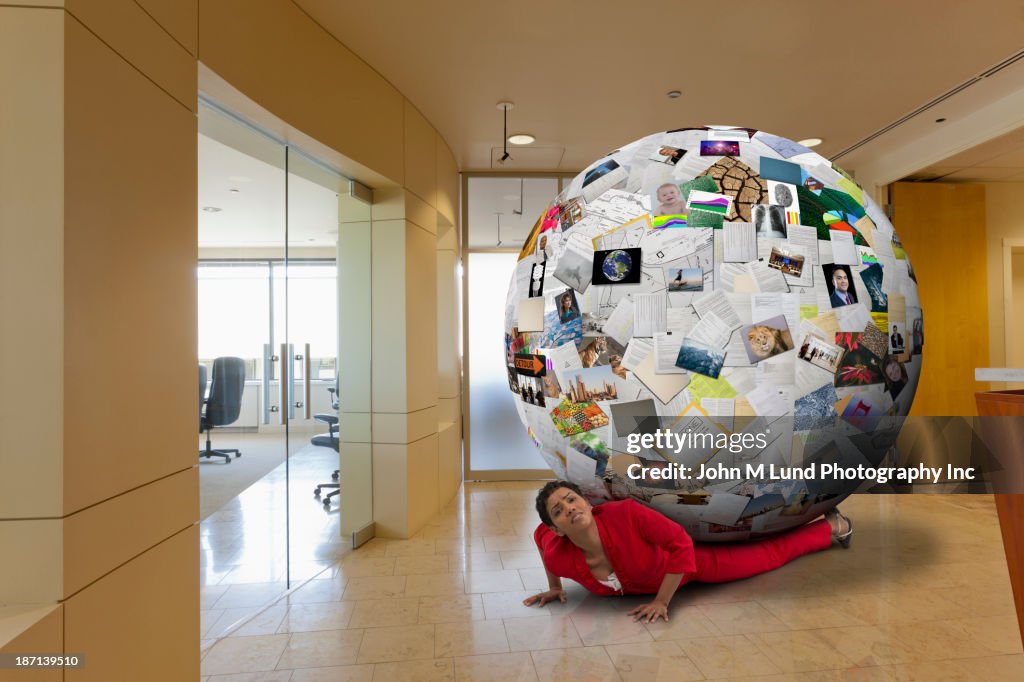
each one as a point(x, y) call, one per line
point(719, 270)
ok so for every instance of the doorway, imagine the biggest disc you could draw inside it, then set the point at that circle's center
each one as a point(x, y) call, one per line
point(268, 310)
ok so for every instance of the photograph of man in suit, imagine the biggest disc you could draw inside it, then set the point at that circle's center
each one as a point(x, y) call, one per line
point(842, 287)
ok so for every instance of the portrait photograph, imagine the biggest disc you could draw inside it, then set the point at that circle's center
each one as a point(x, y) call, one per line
point(839, 281)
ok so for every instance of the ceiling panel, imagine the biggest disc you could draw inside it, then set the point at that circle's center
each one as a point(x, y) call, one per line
point(591, 75)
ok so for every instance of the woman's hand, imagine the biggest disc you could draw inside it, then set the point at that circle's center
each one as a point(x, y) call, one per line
point(650, 613)
point(545, 597)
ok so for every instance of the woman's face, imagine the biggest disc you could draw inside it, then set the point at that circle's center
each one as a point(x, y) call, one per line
point(893, 371)
point(569, 512)
point(566, 302)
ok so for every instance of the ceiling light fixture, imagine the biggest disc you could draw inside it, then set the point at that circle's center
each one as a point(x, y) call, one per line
point(940, 120)
point(522, 138)
point(505, 106)
point(810, 142)
point(212, 209)
point(234, 191)
point(673, 94)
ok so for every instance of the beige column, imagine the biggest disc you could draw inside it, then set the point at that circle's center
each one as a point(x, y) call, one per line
point(449, 330)
point(403, 324)
point(98, 484)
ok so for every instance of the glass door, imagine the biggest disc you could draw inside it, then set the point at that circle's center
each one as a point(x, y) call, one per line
point(498, 213)
point(242, 440)
point(311, 334)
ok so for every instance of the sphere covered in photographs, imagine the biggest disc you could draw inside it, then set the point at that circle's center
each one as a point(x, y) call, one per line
point(716, 322)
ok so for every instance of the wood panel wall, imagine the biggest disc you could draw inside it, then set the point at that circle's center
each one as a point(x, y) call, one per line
point(942, 227)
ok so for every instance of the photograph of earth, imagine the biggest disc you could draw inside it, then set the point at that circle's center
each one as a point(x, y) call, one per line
point(617, 266)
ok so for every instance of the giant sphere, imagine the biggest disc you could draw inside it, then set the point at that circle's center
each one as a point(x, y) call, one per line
point(730, 287)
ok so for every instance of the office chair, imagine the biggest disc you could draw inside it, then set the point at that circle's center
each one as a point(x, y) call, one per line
point(224, 402)
point(328, 440)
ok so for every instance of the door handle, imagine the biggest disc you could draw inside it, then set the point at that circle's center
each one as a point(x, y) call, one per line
point(283, 388)
point(306, 365)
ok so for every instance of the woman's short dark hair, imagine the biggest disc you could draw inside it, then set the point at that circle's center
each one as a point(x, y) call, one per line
point(545, 493)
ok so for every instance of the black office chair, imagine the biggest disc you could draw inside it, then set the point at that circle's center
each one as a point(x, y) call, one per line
point(329, 440)
point(224, 402)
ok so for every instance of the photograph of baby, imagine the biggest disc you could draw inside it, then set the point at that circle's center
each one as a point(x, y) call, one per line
point(668, 200)
point(839, 280)
point(719, 148)
point(769, 221)
point(789, 263)
point(667, 154)
point(821, 353)
point(767, 338)
point(684, 279)
point(700, 358)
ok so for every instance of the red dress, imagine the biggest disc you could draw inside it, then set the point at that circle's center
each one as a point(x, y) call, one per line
point(643, 545)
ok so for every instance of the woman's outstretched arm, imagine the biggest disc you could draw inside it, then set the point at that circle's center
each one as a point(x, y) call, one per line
point(555, 591)
point(658, 608)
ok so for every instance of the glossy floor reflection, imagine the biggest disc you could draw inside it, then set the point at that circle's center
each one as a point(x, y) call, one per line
point(243, 544)
point(922, 594)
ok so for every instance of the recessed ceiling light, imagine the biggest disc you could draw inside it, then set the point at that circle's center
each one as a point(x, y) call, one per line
point(673, 94)
point(234, 191)
point(522, 138)
point(810, 142)
point(940, 120)
point(212, 209)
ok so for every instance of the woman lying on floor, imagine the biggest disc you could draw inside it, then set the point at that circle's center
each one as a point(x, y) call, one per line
point(626, 548)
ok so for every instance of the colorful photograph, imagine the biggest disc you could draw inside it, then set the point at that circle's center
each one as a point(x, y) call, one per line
point(570, 213)
point(574, 418)
point(617, 266)
point(894, 373)
point(601, 350)
point(709, 201)
point(567, 306)
point(700, 358)
point(590, 384)
point(669, 221)
point(719, 148)
point(821, 353)
point(593, 447)
point(684, 279)
point(839, 281)
point(767, 338)
point(859, 366)
point(788, 263)
point(667, 200)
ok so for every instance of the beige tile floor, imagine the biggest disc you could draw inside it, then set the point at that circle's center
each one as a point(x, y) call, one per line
point(922, 594)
